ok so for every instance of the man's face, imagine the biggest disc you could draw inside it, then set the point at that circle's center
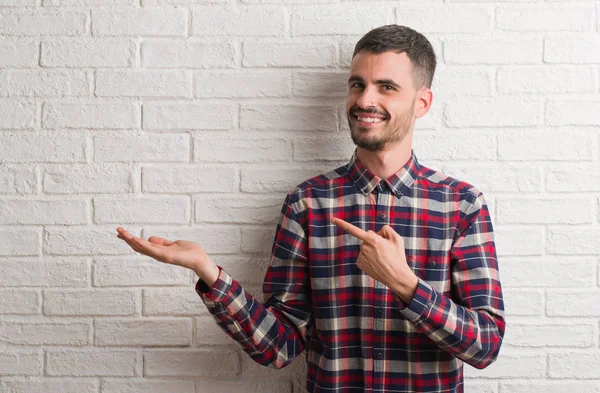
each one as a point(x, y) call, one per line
point(381, 99)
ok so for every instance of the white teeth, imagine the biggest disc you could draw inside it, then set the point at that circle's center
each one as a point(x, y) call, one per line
point(370, 119)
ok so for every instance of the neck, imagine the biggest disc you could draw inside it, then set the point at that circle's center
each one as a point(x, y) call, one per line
point(388, 161)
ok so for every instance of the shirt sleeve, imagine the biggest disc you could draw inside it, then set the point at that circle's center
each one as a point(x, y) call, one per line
point(275, 332)
point(471, 327)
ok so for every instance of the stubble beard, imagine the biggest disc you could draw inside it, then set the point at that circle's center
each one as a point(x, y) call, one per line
point(391, 132)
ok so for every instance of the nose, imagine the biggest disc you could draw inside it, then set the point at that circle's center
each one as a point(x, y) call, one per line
point(368, 98)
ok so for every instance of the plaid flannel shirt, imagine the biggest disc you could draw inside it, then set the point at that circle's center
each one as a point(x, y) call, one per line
point(357, 334)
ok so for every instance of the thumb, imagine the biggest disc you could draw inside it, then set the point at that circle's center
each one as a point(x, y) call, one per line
point(159, 240)
point(387, 232)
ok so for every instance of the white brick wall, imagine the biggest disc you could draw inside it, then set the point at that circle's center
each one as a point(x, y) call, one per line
point(191, 119)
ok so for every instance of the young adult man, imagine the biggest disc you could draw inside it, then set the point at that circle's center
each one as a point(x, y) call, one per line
point(383, 271)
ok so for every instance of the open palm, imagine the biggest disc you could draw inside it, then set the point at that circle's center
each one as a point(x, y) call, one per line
point(180, 252)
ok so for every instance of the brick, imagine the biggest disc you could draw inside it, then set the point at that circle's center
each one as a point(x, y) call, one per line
point(142, 147)
point(17, 115)
point(562, 113)
point(90, 302)
point(238, 21)
point(494, 51)
point(209, 333)
point(574, 303)
point(55, 83)
point(184, 116)
point(509, 241)
point(145, 386)
point(189, 179)
point(18, 179)
point(323, 149)
point(20, 301)
point(288, 117)
point(573, 241)
point(43, 22)
point(461, 81)
point(18, 52)
point(45, 385)
point(146, 210)
point(457, 145)
point(481, 386)
point(576, 49)
point(163, 22)
point(241, 147)
point(528, 386)
point(213, 239)
point(22, 148)
point(44, 272)
point(247, 84)
point(76, 3)
point(45, 333)
point(320, 84)
point(545, 80)
point(573, 178)
point(88, 179)
point(19, 241)
point(92, 362)
point(102, 115)
point(146, 332)
point(146, 83)
point(535, 211)
point(498, 177)
point(574, 365)
point(239, 209)
point(544, 18)
point(191, 363)
point(247, 268)
point(84, 241)
point(188, 54)
point(172, 302)
point(289, 54)
point(18, 3)
point(548, 272)
point(152, 3)
point(247, 386)
point(563, 145)
point(143, 271)
point(97, 52)
point(274, 180)
point(493, 112)
point(522, 302)
point(435, 18)
point(65, 212)
point(164, 210)
point(338, 19)
point(550, 335)
point(511, 366)
point(257, 240)
point(21, 363)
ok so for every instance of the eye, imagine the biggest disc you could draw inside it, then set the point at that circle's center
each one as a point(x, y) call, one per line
point(388, 88)
point(356, 85)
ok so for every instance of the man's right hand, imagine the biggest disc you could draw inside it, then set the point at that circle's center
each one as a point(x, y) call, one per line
point(180, 252)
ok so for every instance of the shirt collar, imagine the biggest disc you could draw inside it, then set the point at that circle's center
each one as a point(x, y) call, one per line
point(399, 183)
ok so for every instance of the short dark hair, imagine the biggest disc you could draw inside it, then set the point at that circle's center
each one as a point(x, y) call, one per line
point(402, 39)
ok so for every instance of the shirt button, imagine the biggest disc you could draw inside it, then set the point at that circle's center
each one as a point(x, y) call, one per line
point(382, 215)
point(379, 355)
point(432, 264)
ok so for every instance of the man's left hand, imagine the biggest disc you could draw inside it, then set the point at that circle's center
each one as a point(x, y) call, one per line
point(383, 257)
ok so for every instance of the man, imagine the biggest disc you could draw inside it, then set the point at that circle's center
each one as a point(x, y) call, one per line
point(383, 270)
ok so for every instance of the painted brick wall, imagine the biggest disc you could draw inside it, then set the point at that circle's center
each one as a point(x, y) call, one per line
point(192, 119)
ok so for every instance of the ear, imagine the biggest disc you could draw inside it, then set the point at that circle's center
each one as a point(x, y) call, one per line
point(423, 101)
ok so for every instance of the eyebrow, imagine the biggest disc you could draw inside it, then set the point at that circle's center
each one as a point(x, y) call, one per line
point(356, 78)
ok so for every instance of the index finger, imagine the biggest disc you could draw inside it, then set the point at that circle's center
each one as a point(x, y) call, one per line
point(351, 229)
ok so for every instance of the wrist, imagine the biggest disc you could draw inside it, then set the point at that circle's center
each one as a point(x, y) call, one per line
point(406, 289)
point(209, 274)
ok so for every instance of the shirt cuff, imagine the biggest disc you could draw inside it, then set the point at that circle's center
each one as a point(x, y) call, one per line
point(219, 291)
point(421, 303)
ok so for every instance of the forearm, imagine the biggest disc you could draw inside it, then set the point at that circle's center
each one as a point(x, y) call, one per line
point(266, 333)
point(474, 335)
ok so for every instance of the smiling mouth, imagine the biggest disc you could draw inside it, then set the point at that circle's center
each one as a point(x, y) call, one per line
point(370, 119)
